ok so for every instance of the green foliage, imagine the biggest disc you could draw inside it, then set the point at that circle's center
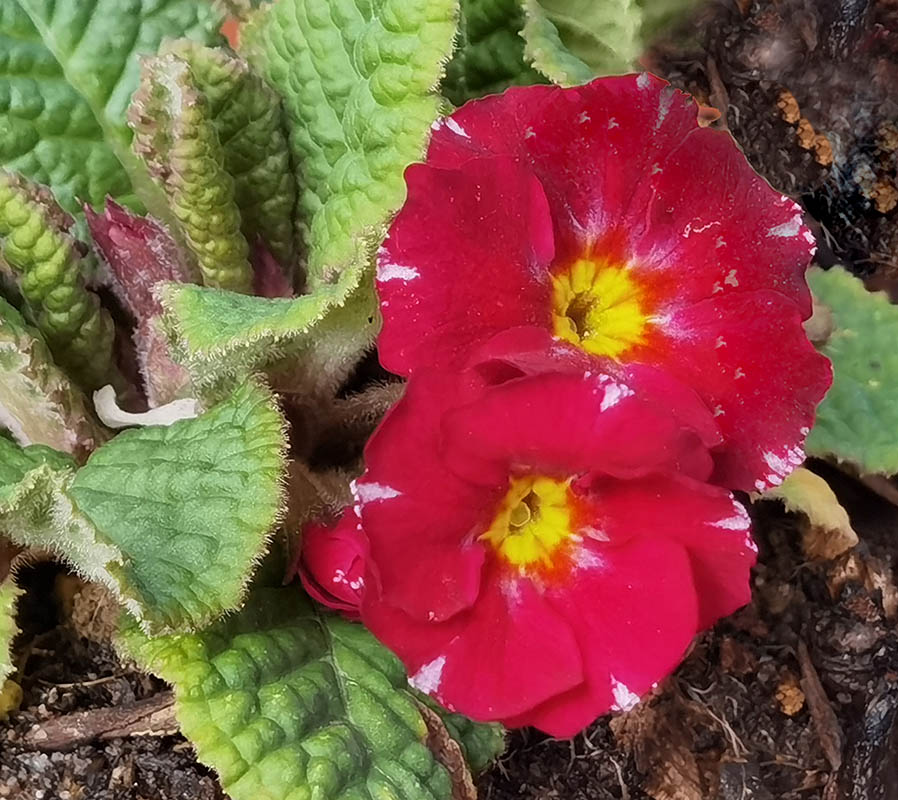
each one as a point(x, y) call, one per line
point(69, 71)
point(171, 518)
point(490, 52)
point(16, 463)
point(287, 704)
point(505, 43)
point(174, 133)
point(36, 245)
point(248, 119)
point(9, 595)
point(38, 402)
point(358, 86)
point(359, 95)
point(858, 419)
point(660, 15)
point(573, 41)
point(222, 335)
point(482, 743)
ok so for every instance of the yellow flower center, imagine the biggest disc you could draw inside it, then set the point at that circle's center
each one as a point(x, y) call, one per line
point(533, 522)
point(599, 307)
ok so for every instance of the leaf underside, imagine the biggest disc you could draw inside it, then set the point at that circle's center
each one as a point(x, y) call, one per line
point(857, 421)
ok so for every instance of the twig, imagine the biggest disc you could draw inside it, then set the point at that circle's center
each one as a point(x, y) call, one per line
point(825, 721)
point(154, 716)
point(81, 684)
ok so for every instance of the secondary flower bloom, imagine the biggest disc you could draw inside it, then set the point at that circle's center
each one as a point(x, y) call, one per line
point(542, 546)
point(605, 217)
point(331, 563)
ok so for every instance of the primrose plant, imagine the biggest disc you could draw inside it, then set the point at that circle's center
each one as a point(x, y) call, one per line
point(588, 310)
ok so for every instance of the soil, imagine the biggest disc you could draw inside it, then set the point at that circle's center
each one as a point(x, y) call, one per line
point(795, 696)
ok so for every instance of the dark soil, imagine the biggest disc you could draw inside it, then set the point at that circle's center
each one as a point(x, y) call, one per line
point(795, 696)
point(63, 672)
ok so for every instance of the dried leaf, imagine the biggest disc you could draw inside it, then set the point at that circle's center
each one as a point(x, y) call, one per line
point(828, 532)
point(449, 753)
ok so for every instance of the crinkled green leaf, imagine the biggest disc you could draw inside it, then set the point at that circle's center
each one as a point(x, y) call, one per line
point(38, 402)
point(573, 41)
point(358, 81)
point(35, 243)
point(171, 518)
point(221, 335)
point(248, 118)
point(490, 52)
point(17, 462)
point(288, 704)
point(358, 87)
point(67, 71)
point(174, 133)
point(481, 742)
point(9, 595)
point(858, 419)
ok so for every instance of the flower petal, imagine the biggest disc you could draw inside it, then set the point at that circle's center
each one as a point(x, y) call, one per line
point(628, 169)
point(564, 424)
point(634, 614)
point(713, 527)
point(416, 513)
point(465, 257)
point(509, 652)
point(748, 357)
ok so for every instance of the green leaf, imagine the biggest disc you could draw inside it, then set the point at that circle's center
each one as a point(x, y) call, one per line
point(660, 15)
point(358, 83)
point(35, 243)
point(175, 135)
point(219, 335)
point(482, 742)
point(287, 704)
point(573, 41)
point(490, 52)
point(359, 91)
point(518, 42)
point(248, 119)
point(68, 71)
point(9, 595)
point(171, 518)
point(17, 462)
point(858, 419)
point(38, 402)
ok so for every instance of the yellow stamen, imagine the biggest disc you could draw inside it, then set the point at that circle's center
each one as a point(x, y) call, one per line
point(532, 523)
point(599, 307)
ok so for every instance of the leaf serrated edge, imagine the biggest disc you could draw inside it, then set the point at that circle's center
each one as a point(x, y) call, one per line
point(268, 400)
point(10, 593)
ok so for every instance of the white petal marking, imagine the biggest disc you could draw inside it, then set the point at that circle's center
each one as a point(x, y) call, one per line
point(393, 272)
point(427, 679)
point(787, 229)
point(372, 492)
point(457, 129)
point(614, 393)
point(624, 699)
